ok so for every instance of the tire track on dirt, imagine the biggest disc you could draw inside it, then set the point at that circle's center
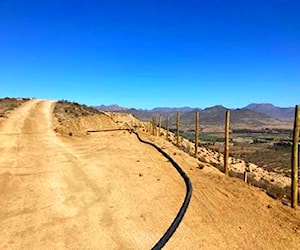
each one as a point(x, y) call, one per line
point(43, 185)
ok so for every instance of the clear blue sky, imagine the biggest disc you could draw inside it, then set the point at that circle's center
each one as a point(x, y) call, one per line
point(152, 53)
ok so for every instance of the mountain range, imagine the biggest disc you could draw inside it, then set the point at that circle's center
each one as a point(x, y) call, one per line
point(253, 116)
point(267, 109)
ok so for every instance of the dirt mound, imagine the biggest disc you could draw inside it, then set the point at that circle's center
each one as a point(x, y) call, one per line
point(74, 119)
point(67, 109)
point(8, 104)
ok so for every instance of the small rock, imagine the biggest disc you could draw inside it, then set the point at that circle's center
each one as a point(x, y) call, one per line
point(200, 166)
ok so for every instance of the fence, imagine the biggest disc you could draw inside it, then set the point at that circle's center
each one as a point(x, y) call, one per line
point(245, 175)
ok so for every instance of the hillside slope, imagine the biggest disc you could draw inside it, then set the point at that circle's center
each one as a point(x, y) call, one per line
point(75, 119)
point(109, 191)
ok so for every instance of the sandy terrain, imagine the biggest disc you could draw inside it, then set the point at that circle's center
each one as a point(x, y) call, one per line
point(109, 191)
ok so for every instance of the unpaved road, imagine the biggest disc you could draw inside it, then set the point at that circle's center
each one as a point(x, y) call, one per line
point(99, 194)
point(109, 191)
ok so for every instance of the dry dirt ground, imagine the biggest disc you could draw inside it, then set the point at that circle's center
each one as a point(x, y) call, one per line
point(109, 191)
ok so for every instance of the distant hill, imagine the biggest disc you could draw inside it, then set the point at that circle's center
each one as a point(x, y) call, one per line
point(273, 111)
point(113, 108)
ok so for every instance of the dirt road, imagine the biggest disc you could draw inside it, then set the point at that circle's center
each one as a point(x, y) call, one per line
point(109, 191)
point(103, 193)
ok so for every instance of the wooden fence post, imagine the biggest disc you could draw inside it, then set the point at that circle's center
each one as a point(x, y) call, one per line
point(196, 132)
point(149, 127)
point(167, 127)
point(159, 122)
point(226, 148)
point(153, 125)
point(245, 176)
point(294, 185)
point(177, 128)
